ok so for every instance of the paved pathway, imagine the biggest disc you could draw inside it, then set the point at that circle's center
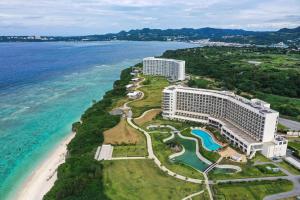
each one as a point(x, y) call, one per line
point(128, 158)
point(192, 195)
point(293, 125)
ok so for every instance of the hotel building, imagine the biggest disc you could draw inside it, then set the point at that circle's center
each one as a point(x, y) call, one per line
point(248, 124)
point(170, 68)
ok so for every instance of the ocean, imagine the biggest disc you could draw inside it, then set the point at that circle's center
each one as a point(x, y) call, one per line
point(45, 87)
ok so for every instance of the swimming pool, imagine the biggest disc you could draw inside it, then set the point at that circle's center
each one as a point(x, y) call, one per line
point(207, 141)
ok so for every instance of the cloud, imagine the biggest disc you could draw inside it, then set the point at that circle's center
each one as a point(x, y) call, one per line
point(79, 17)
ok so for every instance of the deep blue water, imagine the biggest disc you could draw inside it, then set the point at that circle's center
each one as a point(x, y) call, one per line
point(45, 87)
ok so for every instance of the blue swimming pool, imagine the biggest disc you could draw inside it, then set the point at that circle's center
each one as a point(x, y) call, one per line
point(207, 141)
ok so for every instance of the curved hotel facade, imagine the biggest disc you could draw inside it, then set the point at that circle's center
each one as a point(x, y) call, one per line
point(247, 124)
point(170, 68)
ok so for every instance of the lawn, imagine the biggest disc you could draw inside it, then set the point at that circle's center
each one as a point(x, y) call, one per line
point(163, 151)
point(123, 133)
point(289, 167)
point(130, 150)
point(127, 141)
point(152, 95)
point(248, 171)
point(294, 144)
point(260, 158)
point(158, 120)
point(147, 117)
point(136, 179)
point(202, 196)
point(250, 190)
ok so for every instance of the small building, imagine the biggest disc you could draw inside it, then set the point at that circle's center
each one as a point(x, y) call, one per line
point(135, 79)
point(134, 95)
point(133, 73)
point(129, 86)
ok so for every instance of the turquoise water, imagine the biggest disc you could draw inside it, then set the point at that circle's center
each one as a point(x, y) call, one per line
point(45, 87)
point(207, 140)
point(189, 157)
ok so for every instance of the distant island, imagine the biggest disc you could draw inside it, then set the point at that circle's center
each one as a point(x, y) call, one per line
point(282, 38)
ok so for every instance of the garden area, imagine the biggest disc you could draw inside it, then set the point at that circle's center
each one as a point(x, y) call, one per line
point(152, 89)
point(164, 150)
point(133, 179)
point(249, 170)
point(254, 190)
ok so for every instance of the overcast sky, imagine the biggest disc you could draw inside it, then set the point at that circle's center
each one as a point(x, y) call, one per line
point(80, 17)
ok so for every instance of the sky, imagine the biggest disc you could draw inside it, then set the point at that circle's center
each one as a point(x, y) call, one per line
point(82, 17)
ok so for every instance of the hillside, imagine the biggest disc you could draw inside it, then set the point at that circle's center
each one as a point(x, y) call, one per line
point(267, 73)
point(290, 37)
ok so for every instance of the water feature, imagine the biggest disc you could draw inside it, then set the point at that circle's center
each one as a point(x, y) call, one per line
point(189, 157)
point(207, 141)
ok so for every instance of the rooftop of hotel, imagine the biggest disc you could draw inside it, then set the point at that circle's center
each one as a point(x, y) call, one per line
point(261, 106)
point(166, 59)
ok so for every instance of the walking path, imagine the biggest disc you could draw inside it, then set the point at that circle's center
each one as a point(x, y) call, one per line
point(128, 158)
point(192, 195)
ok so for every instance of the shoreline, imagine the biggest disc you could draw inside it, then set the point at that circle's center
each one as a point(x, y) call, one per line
point(43, 177)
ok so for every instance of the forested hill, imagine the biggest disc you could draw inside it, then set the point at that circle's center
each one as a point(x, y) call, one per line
point(271, 74)
point(290, 37)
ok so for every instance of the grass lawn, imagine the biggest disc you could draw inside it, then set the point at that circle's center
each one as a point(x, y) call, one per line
point(130, 150)
point(260, 158)
point(162, 151)
point(152, 95)
point(147, 117)
point(289, 167)
point(158, 120)
point(250, 190)
point(202, 196)
point(122, 133)
point(127, 141)
point(294, 144)
point(136, 179)
point(248, 171)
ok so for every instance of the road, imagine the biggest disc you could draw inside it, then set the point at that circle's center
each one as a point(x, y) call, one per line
point(293, 125)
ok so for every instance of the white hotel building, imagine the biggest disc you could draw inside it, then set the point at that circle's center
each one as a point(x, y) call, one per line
point(170, 68)
point(247, 124)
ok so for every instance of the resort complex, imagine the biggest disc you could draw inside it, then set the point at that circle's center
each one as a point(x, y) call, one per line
point(247, 124)
point(170, 68)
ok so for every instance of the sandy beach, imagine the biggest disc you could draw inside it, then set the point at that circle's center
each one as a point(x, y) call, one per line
point(43, 177)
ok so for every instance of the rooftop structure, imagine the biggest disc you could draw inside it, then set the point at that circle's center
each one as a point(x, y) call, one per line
point(170, 68)
point(247, 124)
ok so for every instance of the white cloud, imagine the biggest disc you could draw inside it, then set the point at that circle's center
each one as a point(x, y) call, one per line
point(100, 16)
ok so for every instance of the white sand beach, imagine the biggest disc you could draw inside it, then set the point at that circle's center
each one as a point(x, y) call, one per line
point(43, 177)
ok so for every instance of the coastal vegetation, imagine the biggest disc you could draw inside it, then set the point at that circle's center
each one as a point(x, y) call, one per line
point(271, 74)
point(250, 190)
point(81, 177)
point(136, 179)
